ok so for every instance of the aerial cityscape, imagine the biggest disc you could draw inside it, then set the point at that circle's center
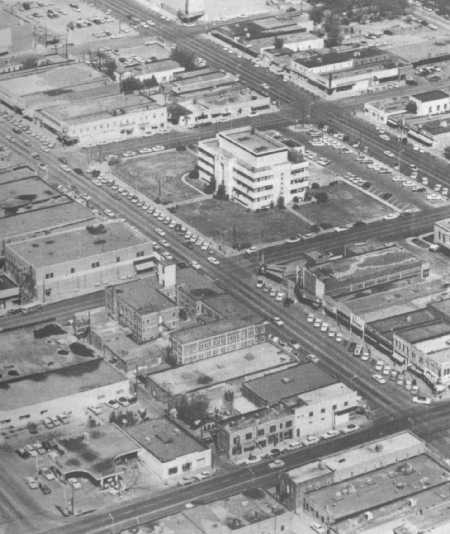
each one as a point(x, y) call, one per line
point(225, 267)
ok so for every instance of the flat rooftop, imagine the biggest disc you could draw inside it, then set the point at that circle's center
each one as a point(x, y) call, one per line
point(379, 487)
point(237, 512)
point(223, 368)
point(393, 298)
point(27, 194)
point(199, 286)
point(437, 348)
point(288, 383)
point(425, 332)
point(444, 224)
point(391, 105)
point(82, 110)
point(172, 524)
point(317, 59)
point(295, 37)
point(143, 295)
point(339, 274)
point(235, 95)
point(400, 514)
point(52, 80)
point(429, 96)
point(161, 65)
point(23, 354)
point(76, 243)
point(56, 384)
point(163, 439)
point(255, 142)
point(442, 307)
point(95, 450)
point(387, 326)
point(187, 335)
point(150, 50)
point(229, 308)
point(202, 79)
point(357, 456)
point(222, 516)
point(38, 220)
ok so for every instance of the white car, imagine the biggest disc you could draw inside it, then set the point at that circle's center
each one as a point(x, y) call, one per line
point(331, 434)
point(313, 358)
point(278, 321)
point(351, 427)
point(196, 265)
point(310, 440)
point(420, 399)
point(213, 260)
point(379, 378)
point(276, 464)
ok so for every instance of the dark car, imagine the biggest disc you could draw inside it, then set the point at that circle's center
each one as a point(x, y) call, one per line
point(44, 488)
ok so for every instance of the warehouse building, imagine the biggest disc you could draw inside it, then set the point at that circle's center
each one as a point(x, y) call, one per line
point(76, 261)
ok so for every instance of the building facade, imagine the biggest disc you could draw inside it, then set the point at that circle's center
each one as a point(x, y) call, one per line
point(442, 233)
point(253, 169)
point(105, 120)
point(140, 306)
point(79, 260)
point(212, 339)
point(58, 395)
point(431, 102)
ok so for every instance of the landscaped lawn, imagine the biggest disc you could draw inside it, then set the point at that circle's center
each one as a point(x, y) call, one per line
point(345, 205)
point(228, 222)
point(159, 175)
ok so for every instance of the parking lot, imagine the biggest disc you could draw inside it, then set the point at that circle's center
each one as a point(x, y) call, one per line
point(403, 188)
point(83, 22)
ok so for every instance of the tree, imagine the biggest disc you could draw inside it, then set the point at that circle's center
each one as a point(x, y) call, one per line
point(332, 27)
point(192, 409)
point(447, 152)
point(221, 194)
point(184, 57)
point(211, 187)
point(316, 15)
point(130, 84)
point(411, 107)
point(280, 203)
point(193, 175)
point(321, 196)
point(29, 62)
point(278, 43)
point(150, 82)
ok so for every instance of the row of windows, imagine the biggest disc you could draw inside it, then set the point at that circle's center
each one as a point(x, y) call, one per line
point(94, 265)
point(121, 123)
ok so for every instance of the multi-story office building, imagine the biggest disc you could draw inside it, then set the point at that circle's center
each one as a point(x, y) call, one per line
point(253, 169)
point(141, 306)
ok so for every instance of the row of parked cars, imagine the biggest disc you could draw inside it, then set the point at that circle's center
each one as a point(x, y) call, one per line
point(141, 151)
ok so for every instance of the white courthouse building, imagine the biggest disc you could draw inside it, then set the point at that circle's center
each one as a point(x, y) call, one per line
point(255, 169)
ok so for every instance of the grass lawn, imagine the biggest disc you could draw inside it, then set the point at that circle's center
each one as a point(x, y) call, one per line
point(345, 205)
point(167, 168)
point(216, 219)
